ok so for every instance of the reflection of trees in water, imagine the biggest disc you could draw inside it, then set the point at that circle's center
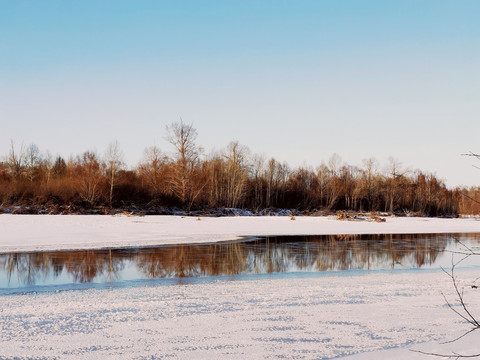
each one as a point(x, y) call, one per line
point(14, 262)
point(273, 254)
point(83, 266)
point(191, 260)
point(379, 251)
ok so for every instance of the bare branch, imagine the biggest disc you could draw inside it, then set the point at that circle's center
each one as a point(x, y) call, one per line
point(471, 153)
point(467, 316)
point(451, 356)
point(458, 338)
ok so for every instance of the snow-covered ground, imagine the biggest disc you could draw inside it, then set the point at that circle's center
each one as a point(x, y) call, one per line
point(295, 318)
point(55, 232)
point(378, 315)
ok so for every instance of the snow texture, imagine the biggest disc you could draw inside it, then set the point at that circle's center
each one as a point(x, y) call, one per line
point(303, 318)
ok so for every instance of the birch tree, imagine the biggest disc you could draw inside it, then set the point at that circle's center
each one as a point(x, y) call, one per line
point(237, 172)
point(33, 160)
point(114, 162)
point(89, 177)
point(394, 172)
point(369, 175)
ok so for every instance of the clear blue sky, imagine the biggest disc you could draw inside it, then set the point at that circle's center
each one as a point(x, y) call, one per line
point(296, 80)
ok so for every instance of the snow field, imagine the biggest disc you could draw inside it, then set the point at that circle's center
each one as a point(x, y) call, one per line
point(64, 232)
point(320, 317)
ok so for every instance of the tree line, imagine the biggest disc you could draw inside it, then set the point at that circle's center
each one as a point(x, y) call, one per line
point(231, 178)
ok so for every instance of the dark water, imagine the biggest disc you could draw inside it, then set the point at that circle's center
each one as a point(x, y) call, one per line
point(280, 254)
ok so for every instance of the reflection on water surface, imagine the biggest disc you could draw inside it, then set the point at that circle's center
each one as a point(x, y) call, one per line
point(263, 255)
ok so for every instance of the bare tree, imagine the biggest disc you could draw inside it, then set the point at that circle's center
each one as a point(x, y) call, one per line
point(369, 174)
point(16, 161)
point(33, 159)
point(270, 174)
point(89, 177)
point(114, 161)
point(322, 177)
point(460, 308)
point(256, 175)
point(333, 185)
point(394, 173)
point(237, 172)
point(47, 165)
point(471, 193)
point(302, 182)
point(183, 137)
point(473, 155)
point(152, 170)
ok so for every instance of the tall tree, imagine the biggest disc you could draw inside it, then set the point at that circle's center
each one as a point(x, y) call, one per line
point(89, 177)
point(333, 185)
point(183, 137)
point(394, 173)
point(236, 171)
point(114, 162)
point(152, 170)
point(16, 161)
point(32, 161)
point(369, 176)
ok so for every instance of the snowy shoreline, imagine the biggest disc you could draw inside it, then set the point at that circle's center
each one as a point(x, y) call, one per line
point(20, 233)
point(375, 316)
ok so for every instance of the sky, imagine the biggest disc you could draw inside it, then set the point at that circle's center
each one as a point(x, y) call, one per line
point(295, 80)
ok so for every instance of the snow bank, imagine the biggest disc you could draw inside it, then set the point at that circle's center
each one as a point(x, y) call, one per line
point(312, 317)
point(63, 232)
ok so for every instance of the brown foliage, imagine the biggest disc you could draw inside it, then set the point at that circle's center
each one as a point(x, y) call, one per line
point(231, 178)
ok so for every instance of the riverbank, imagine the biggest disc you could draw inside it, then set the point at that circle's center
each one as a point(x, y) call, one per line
point(68, 232)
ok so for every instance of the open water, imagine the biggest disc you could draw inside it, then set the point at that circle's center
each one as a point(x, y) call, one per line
point(250, 258)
